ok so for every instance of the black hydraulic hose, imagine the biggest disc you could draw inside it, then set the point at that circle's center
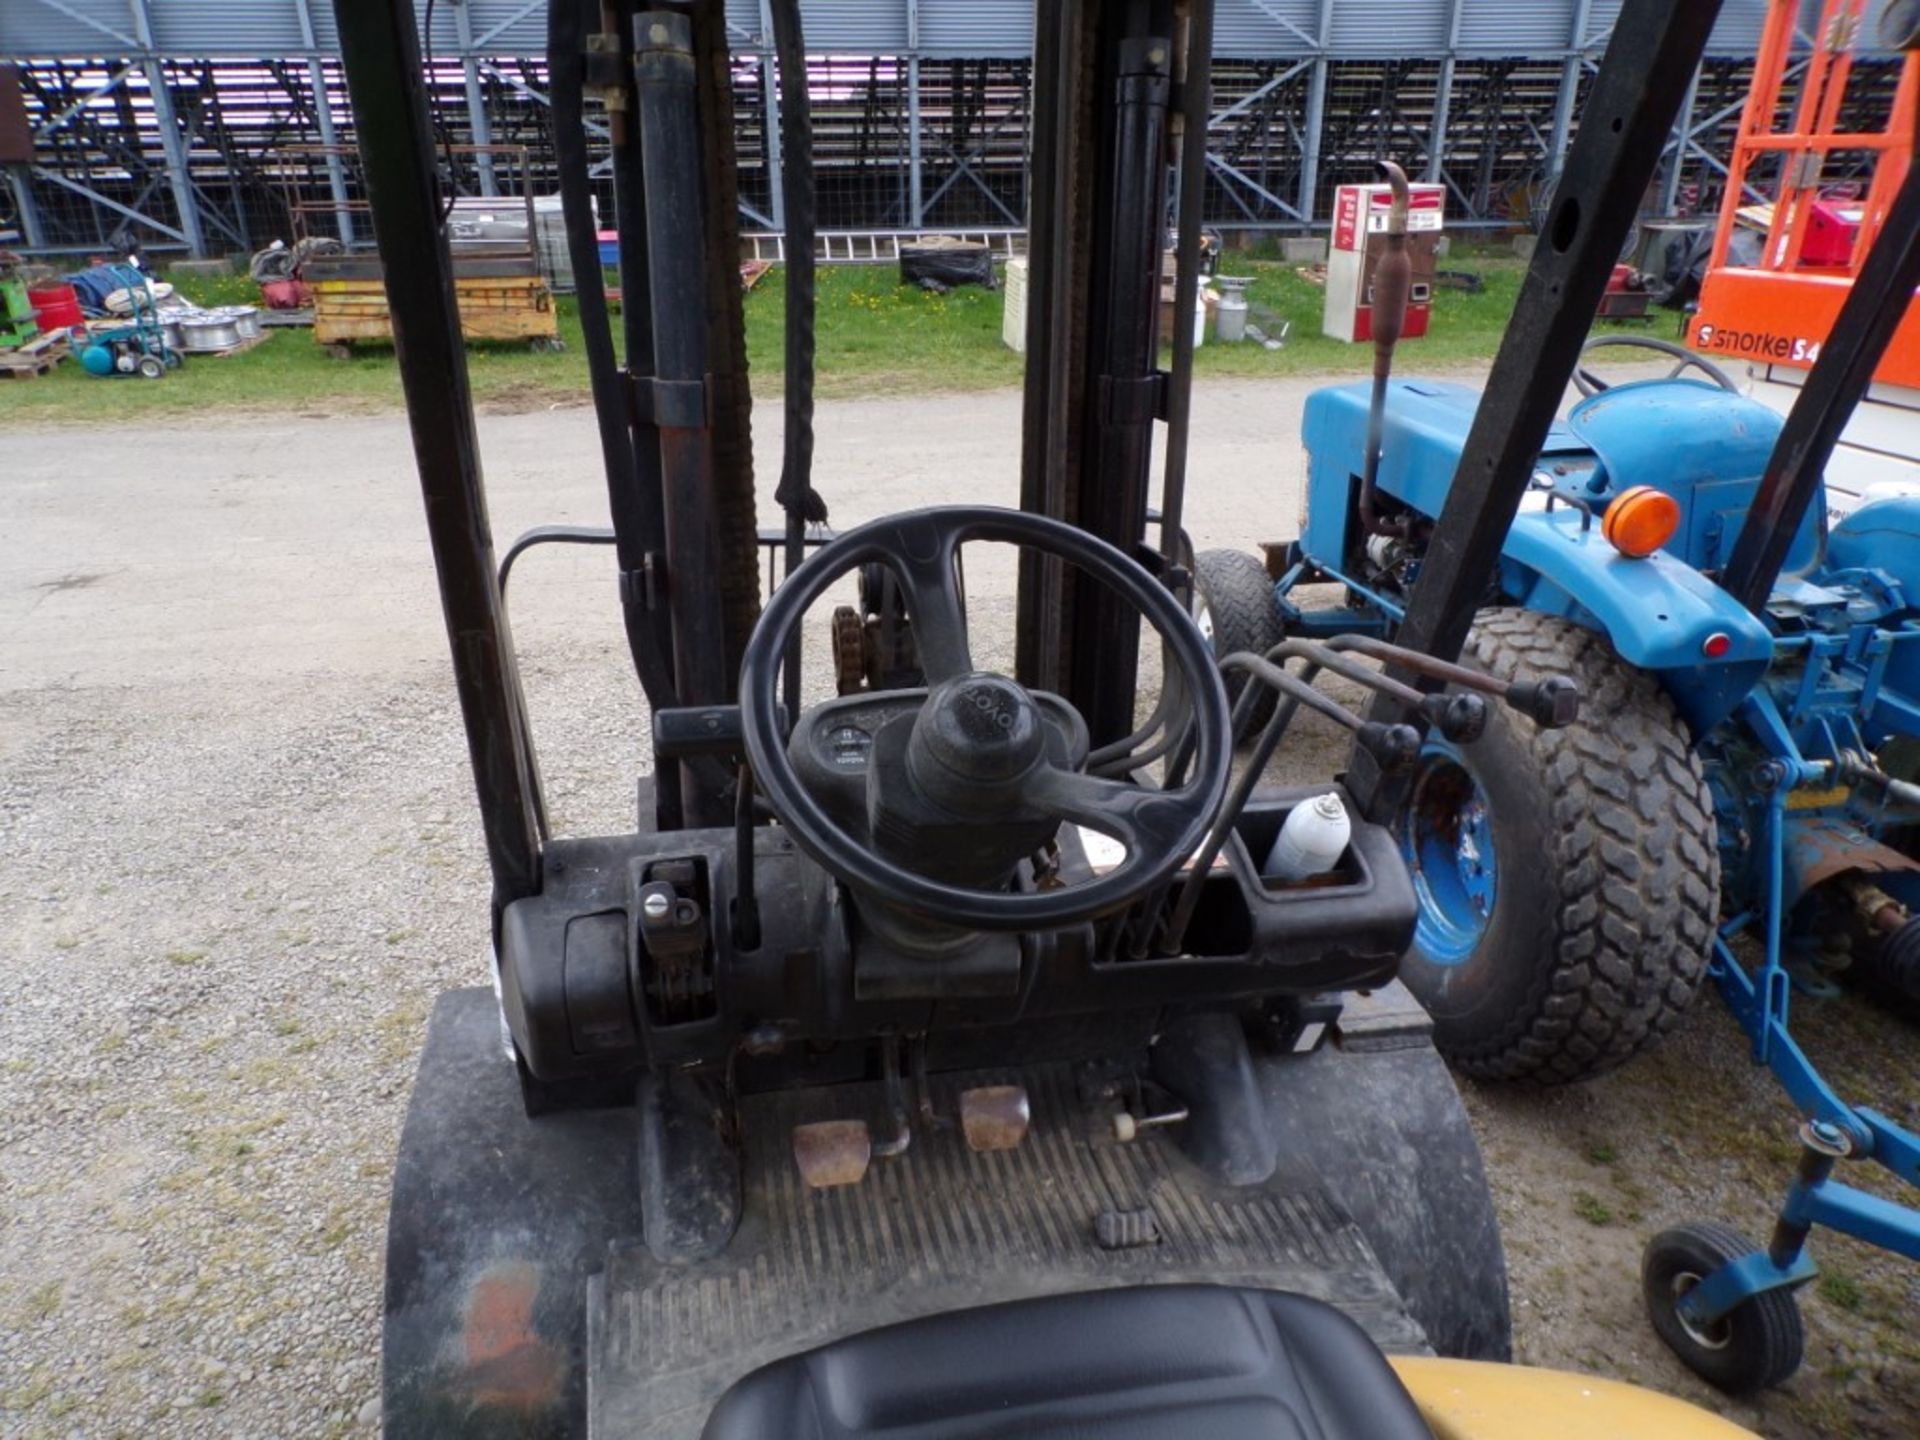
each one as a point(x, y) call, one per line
point(566, 61)
point(796, 494)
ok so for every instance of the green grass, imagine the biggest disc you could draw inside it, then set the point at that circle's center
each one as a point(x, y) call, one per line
point(875, 336)
point(1841, 1290)
point(1592, 1209)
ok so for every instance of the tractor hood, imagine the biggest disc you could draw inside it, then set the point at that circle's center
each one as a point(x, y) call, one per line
point(1426, 429)
point(1704, 446)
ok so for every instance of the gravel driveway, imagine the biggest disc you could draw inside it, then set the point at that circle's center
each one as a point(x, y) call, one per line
point(240, 859)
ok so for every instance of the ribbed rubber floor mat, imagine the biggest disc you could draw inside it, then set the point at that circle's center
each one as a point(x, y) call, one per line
point(942, 1227)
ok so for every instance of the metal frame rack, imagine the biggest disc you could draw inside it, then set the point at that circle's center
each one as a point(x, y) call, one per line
point(166, 116)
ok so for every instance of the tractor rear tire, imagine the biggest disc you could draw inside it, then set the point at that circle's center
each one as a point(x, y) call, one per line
point(1888, 972)
point(1233, 603)
point(1757, 1344)
point(1606, 870)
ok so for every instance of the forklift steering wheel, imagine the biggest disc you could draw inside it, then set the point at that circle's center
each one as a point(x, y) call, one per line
point(1590, 384)
point(1159, 828)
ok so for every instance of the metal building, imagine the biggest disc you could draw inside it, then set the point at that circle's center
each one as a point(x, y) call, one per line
point(185, 120)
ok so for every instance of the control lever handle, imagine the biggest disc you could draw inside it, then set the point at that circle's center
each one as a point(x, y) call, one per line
point(1552, 702)
point(1461, 718)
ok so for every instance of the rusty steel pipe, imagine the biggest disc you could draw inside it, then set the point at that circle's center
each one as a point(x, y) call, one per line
point(1387, 304)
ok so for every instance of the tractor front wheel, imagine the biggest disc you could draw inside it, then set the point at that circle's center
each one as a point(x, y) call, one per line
point(1233, 605)
point(1568, 879)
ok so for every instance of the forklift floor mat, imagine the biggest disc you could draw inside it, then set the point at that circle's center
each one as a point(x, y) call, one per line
point(940, 1227)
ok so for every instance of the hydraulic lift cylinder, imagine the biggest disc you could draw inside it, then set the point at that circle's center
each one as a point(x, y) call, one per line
point(676, 393)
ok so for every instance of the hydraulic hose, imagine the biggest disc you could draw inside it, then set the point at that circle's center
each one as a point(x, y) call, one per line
point(796, 494)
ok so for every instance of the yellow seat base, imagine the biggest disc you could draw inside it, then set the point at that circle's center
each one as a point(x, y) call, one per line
point(1476, 1400)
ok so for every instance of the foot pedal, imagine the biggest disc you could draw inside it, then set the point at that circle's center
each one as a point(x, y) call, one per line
point(995, 1117)
point(833, 1152)
point(1125, 1229)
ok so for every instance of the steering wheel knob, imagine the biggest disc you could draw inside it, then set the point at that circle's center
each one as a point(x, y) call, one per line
point(975, 734)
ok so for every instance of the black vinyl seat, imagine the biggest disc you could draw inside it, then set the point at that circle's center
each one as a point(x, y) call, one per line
point(1172, 1362)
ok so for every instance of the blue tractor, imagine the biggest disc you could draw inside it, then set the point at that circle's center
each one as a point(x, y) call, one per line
point(1735, 802)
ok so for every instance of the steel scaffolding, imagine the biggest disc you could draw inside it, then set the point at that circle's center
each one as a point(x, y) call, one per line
point(144, 118)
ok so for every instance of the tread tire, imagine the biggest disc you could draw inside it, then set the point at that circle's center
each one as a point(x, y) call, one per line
point(1592, 957)
point(1236, 591)
point(1764, 1339)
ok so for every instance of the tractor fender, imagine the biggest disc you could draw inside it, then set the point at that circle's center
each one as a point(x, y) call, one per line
point(1823, 847)
point(1660, 613)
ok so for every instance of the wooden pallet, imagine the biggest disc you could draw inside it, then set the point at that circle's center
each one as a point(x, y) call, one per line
point(32, 361)
point(519, 308)
point(250, 343)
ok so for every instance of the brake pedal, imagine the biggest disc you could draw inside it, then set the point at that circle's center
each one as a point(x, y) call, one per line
point(995, 1117)
point(831, 1153)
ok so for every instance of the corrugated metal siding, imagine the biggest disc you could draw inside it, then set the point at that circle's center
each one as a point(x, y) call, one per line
point(241, 29)
point(1601, 15)
point(1244, 29)
point(1389, 27)
point(517, 34)
point(856, 27)
point(1515, 27)
point(1737, 32)
point(31, 31)
point(1258, 29)
point(976, 29)
point(743, 26)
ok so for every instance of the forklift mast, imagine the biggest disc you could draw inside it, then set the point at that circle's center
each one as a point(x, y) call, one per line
point(1115, 87)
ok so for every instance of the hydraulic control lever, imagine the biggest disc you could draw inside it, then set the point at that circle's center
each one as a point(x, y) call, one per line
point(1551, 702)
point(1393, 746)
point(1461, 718)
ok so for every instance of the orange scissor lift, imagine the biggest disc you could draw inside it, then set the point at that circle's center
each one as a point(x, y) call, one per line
point(1776, 311)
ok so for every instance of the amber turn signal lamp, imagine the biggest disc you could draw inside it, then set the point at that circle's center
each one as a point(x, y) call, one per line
point(1640, 521)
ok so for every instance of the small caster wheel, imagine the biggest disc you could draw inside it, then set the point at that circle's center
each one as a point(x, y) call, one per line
point(152, 367)
point(1757, 1344)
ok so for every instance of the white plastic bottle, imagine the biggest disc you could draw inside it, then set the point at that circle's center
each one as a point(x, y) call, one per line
point(1311, 842)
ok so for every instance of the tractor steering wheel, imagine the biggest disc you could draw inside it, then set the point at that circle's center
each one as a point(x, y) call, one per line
point(965, 708)
point(1590, 384)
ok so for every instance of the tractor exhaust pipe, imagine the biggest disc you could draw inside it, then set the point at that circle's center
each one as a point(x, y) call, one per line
point(1392, 283)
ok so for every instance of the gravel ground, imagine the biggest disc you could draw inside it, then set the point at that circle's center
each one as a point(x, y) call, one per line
point(241, 859)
